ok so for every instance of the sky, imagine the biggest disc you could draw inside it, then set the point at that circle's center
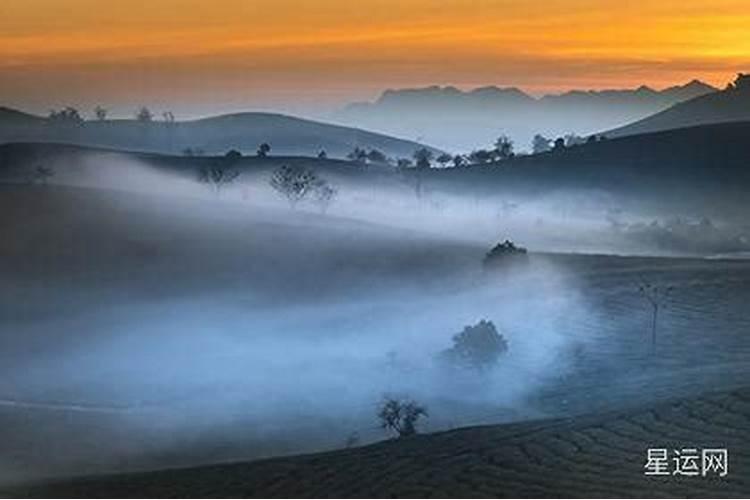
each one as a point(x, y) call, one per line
point(199, 57)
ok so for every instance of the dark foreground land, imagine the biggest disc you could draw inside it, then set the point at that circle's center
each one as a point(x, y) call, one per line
point(597, 456)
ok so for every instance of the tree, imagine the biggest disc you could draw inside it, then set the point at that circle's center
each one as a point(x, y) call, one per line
point(505, 252)
point(540, 144)
point(100, 113)
point(504, 148)
point(42, 174)
point(168, 117)
point(352, 440)
point(400, 416)
point(233, 155)
point(144, 115)
point(404, 163)
point(293, 183)
point(480, 156)
point(657, 298)
point(423, 158)
point(477, 347)
point(459, 161)
point(217, 177)
point(357, 155)
point(559, 144)
point(66, 116)
point(263, 150)
point(322, 155)
point(324, 194)
point(444, 159)
point(377, 157)
point(574, 140)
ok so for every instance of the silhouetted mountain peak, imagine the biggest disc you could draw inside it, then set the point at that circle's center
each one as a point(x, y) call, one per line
point(692, 89)
point(437, 96)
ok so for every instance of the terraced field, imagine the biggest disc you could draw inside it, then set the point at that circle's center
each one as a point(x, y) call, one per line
point(594, 456)
point(703, 332)
point(137, 336)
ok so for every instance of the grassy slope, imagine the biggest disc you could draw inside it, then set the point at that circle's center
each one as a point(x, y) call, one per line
point(598, 455)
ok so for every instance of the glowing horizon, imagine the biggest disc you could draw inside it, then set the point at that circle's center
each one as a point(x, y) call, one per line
point(194, 55)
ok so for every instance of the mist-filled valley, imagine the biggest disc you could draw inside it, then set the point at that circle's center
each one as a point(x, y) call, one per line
point(155, 315)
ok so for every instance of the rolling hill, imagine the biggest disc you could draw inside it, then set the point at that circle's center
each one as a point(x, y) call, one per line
point(702, 158)
point(729, 105)
point(243, 131)
point(698, 159)
point(596, 456)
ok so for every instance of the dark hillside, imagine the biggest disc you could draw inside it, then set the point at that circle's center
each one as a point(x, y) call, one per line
point(599, 455)
point(730, 105)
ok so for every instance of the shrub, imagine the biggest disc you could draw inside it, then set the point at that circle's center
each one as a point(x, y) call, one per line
point(233, 155)
point(400, 416)
point(477, 347)
point(505, 252)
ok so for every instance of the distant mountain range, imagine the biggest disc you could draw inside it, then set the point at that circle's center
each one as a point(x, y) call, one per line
point(243, 131)
point(729, 105)
point(458, 120)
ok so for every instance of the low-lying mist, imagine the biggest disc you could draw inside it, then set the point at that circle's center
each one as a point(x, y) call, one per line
point(151, 320)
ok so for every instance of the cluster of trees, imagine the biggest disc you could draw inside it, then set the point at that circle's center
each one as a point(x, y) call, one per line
point(364, 157)
point(293, 183)
point(66, 116)
point(233, 154)
point(541, 144)
point(502, 150)
point(421, 159)
point(71, 115)
point(297, 183)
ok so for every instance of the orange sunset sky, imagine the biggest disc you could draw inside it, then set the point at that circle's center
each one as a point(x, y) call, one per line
point(198, 56)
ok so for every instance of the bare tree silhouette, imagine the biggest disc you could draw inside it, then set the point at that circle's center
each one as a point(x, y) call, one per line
point(217, 177)
point(503, 148)
point(294, 183)
point(325, 194)
point(540, 144)
point(444, 159)
point(144, 115)
point(400, 416)
point(263, 150)
point(42, 174)
point(100, 113)
point(657, 297)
